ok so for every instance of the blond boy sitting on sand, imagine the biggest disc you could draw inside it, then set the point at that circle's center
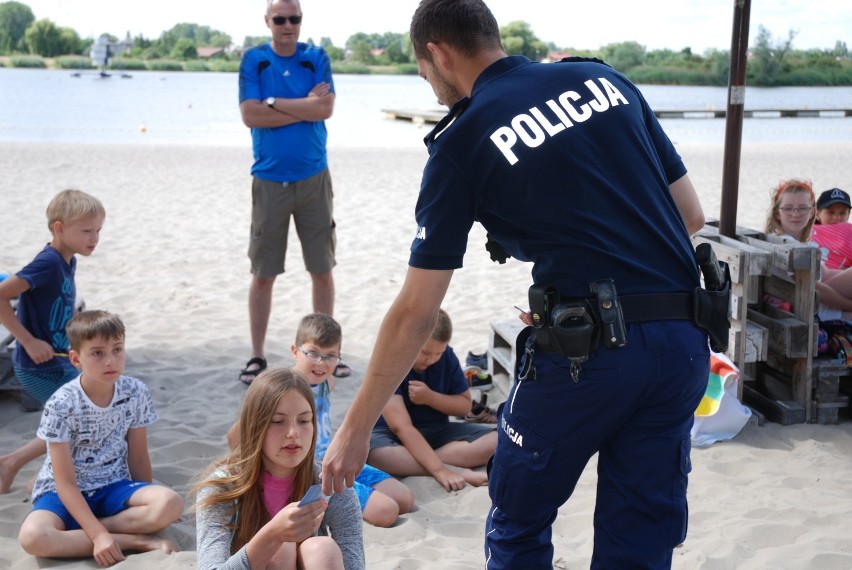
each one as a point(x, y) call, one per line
point(93, 495)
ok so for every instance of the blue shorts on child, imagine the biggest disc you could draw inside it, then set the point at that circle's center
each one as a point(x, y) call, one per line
point(104, 502)
point(364, 482)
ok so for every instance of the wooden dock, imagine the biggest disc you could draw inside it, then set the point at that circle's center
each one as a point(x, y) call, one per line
point(432, 116)
point(416, 116)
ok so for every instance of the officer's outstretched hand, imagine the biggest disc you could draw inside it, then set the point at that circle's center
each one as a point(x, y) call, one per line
point(344, 459)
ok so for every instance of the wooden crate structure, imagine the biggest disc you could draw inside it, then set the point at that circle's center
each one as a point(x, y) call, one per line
point(501, 352)
point(792, 371)
point(774, 349)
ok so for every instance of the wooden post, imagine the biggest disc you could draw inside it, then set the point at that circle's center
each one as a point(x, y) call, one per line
point(734, 121)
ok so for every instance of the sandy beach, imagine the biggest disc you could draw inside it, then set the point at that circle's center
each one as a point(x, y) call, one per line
point(172, 262)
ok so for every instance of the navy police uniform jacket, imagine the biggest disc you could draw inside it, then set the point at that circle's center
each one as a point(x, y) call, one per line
point(535, 155)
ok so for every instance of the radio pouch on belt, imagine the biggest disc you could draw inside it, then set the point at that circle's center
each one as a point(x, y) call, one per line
point(568, 329)
point(713, 303)
point(575, 331)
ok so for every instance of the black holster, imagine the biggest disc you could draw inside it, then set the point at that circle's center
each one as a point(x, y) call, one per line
point(713, 304)
point(712, 314)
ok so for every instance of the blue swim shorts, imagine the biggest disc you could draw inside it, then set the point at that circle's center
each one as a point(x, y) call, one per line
point(103, 502)
point(364, 482)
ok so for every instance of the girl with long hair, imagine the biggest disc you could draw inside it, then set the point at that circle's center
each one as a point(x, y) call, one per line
point(247, 507)
point(791, 216)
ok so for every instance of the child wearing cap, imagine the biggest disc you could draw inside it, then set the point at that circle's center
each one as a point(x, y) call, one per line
point(833, 207)
point(831, 231)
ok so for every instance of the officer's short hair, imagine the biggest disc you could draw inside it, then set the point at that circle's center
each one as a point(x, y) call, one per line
point(468, 26)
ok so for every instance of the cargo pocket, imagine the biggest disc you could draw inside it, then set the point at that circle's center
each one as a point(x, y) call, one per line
point(680, 515)
point(518, 471)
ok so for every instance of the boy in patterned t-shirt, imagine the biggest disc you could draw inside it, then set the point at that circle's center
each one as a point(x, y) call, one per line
point(93, 495)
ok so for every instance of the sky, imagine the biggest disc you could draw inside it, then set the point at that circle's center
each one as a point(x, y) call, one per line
point(659, 24)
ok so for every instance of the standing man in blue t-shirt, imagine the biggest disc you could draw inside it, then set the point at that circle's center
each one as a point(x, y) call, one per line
point(286, 93)
point(566, 167)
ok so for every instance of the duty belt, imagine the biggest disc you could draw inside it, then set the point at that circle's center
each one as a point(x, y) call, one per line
point(658, 307)
point(573, 327)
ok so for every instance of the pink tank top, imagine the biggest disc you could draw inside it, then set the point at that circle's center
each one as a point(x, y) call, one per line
point(276, 492)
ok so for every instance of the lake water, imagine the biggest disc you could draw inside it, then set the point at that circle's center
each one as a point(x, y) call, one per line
point(201, 109)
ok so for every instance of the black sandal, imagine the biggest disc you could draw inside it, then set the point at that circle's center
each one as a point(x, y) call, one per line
point(248, 374)
point(341, 370)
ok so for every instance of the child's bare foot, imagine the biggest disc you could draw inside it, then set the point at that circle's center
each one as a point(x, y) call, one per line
point(475, 478)
point(149, 542)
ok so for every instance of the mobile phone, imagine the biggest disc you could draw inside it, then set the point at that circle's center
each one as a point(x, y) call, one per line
point(313, 494)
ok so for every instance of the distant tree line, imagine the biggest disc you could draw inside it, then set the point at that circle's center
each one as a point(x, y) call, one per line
point(771, 62)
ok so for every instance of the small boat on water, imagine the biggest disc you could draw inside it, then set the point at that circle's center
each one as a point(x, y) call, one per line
point(101, 54)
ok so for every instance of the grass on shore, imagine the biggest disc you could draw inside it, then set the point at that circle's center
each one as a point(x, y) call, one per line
point(73, 62)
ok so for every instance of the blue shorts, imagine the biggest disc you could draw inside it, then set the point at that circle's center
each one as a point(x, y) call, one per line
point(103, 502)
point(364, 482)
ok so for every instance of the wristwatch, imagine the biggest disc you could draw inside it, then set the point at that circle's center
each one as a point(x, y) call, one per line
point(270, 102)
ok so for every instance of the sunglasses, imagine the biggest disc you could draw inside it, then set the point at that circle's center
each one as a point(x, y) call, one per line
point(281, 20)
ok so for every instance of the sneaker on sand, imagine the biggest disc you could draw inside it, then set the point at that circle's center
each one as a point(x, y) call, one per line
point(480, 413)
point(480, 360)
point(478, 378)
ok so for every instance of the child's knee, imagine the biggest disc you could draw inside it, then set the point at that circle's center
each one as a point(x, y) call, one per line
point(164, 506)
point(321, 550)
point(383, 513)
point(171, 506)
point(35, 537)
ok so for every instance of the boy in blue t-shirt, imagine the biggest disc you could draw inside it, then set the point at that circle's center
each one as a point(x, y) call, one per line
point(97, 474)
point(46, 292)
point(414, 435)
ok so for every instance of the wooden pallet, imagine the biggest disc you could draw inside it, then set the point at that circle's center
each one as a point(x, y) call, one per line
point(774, 350)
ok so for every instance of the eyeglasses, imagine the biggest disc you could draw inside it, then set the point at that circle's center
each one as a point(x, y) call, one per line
point(315, 357)
point(281, 20)
point(801, 210)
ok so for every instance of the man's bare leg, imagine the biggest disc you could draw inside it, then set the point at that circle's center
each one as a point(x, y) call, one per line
point(260, 307)
point(323, 293)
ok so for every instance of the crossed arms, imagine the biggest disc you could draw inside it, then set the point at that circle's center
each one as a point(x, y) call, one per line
point(318, 105)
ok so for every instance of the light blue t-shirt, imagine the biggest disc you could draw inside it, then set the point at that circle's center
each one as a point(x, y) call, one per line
point(323, 402)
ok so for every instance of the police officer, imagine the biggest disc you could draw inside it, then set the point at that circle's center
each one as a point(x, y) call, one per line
point(566, 167)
